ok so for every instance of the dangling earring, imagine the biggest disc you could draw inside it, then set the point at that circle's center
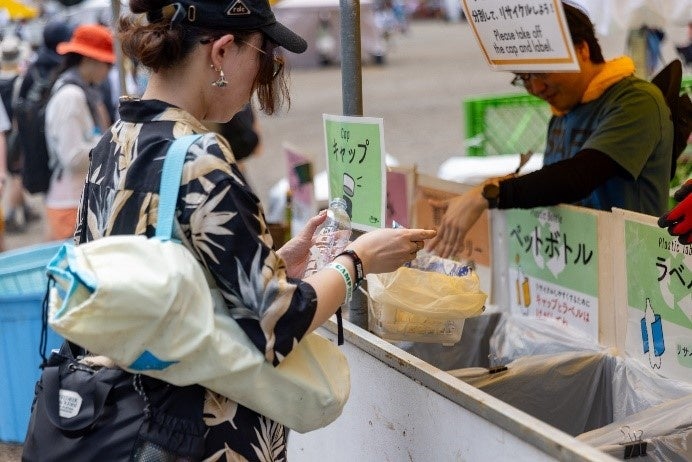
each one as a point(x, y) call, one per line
point(221, 81)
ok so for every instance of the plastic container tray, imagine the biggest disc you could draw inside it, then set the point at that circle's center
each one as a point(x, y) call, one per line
point(505, 124)
point(22, 288)
point(23, 271)
point(394, 324)
point(686, 85)
point(514, 123)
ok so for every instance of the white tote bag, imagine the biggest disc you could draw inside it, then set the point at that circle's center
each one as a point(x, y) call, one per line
point(146, 304)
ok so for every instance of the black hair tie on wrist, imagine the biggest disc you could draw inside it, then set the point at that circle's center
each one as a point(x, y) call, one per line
point(357, 264)
point(360, 274)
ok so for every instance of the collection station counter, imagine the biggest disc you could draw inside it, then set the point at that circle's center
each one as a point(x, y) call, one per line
point(521, 385)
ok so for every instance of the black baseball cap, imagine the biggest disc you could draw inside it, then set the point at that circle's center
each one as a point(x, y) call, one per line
point(232, 15)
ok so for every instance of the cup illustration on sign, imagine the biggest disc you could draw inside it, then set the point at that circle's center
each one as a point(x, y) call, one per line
point(652, 336)
point(522, 286)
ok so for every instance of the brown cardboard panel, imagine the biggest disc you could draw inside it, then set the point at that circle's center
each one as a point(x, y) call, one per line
point(477, 245)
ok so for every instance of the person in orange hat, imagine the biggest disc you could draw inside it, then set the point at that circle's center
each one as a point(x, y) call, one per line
point(76, 117)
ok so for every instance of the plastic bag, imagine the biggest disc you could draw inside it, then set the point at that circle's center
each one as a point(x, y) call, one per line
point(422, 306)
point(428, 261)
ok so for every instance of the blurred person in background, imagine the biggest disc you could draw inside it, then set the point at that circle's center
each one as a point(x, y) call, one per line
point(685, 50)
point(610, 144)
point(12, 54)
point(47, 60)
point(4, 174)
point(43, 67)
point(76, 117)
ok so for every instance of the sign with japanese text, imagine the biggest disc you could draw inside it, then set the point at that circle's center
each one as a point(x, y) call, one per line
point(658, 278)
point(531, 35)
point(356, 167)
point(553, 265)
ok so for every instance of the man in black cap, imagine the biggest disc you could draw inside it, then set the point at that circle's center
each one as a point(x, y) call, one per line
point(47, 59)
point(609, 144)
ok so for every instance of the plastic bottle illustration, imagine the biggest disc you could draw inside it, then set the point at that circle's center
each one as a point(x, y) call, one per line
point(331, 238)
point(522, 286)
point(652, 336)
point(517, 282)
point(526, 288)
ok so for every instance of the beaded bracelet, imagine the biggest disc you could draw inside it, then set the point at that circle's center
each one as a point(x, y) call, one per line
point(347, 278)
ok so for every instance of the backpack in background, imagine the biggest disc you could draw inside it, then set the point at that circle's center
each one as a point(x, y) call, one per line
point(7, 86)
point(30, 114)
point(9, 89)
point(668, 81)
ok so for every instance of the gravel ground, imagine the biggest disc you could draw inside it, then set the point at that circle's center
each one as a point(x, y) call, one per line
point(10, 452)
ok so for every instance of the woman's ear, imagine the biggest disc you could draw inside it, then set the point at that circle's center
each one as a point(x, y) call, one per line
point(219, 49)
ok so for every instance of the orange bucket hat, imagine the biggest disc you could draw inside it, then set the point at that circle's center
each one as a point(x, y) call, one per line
point(90, 40)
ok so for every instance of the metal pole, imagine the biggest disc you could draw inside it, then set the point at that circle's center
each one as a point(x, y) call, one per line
point(352, 96)
point(351, 77)
point(115, 10)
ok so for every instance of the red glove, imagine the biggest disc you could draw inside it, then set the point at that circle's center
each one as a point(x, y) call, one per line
point(679, 219)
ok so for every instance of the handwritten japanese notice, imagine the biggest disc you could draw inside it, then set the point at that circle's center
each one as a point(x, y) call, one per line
point(526, 35)
point(658, 273)
point(356, 167)
point(553, 266)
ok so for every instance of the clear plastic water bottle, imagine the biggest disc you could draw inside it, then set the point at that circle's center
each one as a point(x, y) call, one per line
point(330, 238)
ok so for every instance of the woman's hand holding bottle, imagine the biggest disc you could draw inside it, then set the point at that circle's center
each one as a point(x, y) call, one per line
point(385, 250)
point(296, 252)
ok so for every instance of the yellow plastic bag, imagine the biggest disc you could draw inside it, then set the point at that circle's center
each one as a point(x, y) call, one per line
point(422, 306)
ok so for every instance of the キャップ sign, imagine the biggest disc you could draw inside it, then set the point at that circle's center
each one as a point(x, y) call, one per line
point(356, 167)
point(530, 35)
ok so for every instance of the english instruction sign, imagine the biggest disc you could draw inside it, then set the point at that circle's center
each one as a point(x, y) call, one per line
point(528, 36)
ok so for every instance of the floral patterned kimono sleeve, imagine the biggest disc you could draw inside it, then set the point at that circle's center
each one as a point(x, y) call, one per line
point(228, 229)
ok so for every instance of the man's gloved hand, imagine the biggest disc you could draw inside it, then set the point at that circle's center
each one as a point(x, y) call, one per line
point(679, 219)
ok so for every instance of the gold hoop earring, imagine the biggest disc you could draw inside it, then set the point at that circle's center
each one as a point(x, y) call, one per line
point(221, 81)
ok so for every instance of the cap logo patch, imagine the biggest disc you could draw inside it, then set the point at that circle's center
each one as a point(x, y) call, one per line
point(238, 8)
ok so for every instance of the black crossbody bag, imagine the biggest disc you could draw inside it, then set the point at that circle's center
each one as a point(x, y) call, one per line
point(83, 412)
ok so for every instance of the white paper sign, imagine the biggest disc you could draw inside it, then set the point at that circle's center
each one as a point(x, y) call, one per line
point(530, 35)
point(657, 293)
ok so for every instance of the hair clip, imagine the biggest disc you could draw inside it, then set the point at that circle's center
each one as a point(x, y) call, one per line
point(173, 12)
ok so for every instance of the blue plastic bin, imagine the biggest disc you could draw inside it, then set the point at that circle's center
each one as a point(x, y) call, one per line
point(22, 287)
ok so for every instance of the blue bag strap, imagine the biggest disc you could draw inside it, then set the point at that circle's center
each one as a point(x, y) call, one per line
point(170, 184)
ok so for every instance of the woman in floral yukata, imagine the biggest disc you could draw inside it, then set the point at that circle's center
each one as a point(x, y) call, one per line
point(207, 58)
